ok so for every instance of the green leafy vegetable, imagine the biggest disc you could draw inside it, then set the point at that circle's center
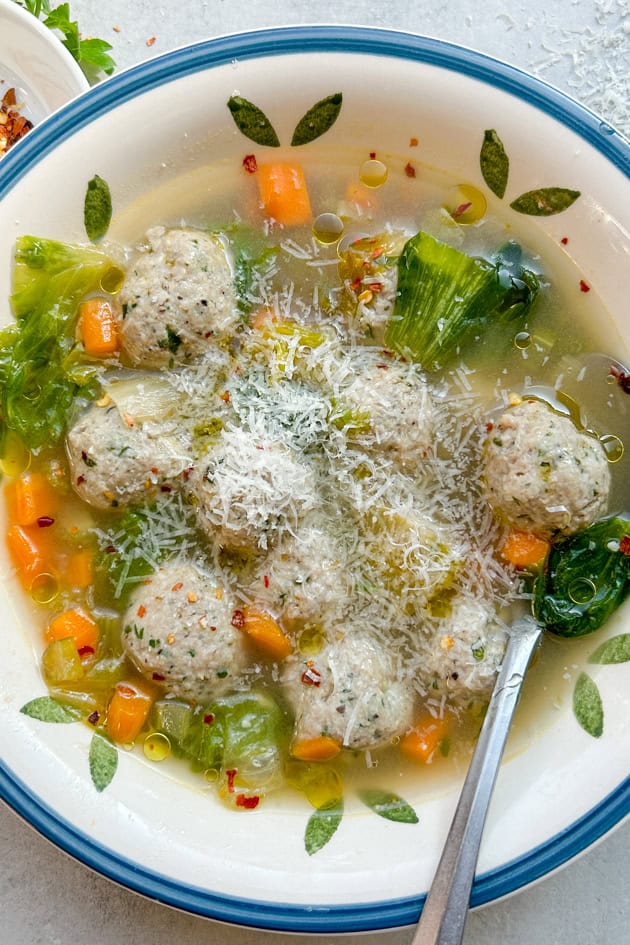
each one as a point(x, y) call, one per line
point(97, 208)
point(585, 580)
point(615, 650)
point(253, 257)
point(389, 805)
point(91, 54)
point(317, 120)
point(494, 163)
point(545, 202)
point(253, 122)
point(46, 709)
point(321, 826)
point(587, 705)
point(445, 297)
point(38, 383)
point(103, 761)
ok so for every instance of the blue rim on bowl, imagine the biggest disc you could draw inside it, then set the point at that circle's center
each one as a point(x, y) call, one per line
point(310, 917)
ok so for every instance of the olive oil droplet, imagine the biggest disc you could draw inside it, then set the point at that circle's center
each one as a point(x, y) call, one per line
point(112, 280)
point(44, 588)
point(613, 447)
point(328, 228)
point(373, 173)
point(157, 746)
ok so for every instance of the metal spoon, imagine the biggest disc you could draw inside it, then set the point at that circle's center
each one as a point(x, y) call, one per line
point(446, 908)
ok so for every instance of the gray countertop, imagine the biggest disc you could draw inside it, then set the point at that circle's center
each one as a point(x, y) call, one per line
point(583, 48)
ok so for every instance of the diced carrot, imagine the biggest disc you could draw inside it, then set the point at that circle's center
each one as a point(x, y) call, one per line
point(266, 633)
point(79, 570)
point(321, 748)
point(30, 498)
point(421, 743)
point(283, 193)
point(27, 553)
point(524, 550)
point(127, 712)
point(99, 331)
point(75, 624)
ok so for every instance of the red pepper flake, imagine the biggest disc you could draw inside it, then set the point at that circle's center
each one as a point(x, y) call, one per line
point(80, 480)
point(151, 40)
point(355, 285)
point(463, 207)
point(383, 367)
point(230, 775)
point(225, 396)
point(624, 545)
point(247, 803)
point(141, 611)
point(584, 286)
point(208, 718)
point(311, 677)
point(110, 549)
point(622, 378)
point(564, 240)
point(45, 521)
point(489, 426)
point(187, 473)
point(266, 580)
point(413, 142)
point(249, 163)
point(375, 286)
point(116, 28)
point(158, 677)
point(178, 586)
point(212, 629)
point(126, 691)
point(166, 488)
point(238, 619)
point(155, 470)
point(86, 651)
point(410, 170)
point(93, 718)
point(372, 155)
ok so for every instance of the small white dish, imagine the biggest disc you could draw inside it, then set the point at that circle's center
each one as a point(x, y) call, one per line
point(36, 64)
point(168, 837)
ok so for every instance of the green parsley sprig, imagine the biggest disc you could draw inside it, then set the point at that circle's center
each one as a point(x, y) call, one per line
point(91, 54)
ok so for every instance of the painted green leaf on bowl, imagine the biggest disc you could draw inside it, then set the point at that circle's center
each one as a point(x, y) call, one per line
point(389, 805)
point(545, 202)
point(615, 650)
point(47, 709)
point(97, 208)
point(317, 120)
point(494, 162)
point(253, 122)
point(587, 705)
point(103, 761)
point(321, 826)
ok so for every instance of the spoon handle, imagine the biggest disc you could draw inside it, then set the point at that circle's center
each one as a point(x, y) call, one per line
point(446, 908)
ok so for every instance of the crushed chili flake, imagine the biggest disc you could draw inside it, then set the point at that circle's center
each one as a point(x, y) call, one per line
point(230, 775)
point(225, 396)
point(622, 378)
point(155, 470)
point(126, 691)
point(624, 545)
point(311, 677)
point(93, 718)
point(166, 488)
point(372, 155)
point(266, 580)
point(151, 40)
point(247, 802)
point(141, 611)
point(45, 521)
point(208, 718)
point(564, 240)
point(238, 619)
point(410, 170)
point(489, 426)
point(584, 286)
point(80, 480)
point(178, 586)
point(158, 677)
point(463, 207)
point(212, 629)
point(116, 28)
point(86, 651)
point(413, 142)
point(249, 163)
point(110, 549)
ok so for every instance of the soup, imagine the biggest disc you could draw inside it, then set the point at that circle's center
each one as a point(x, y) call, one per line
point(257, 490)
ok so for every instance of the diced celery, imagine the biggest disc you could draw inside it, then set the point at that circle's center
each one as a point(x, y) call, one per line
point(61, 662)
point(173, 719)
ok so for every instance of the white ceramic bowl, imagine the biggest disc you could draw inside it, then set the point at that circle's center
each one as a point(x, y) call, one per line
point(162, 836)
point(36, 64)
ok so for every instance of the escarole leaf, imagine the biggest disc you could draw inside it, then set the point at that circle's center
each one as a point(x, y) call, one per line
point(317, 120)
point(252, 121)
point(389, 805)
point(494, 163)
point(321, 826)
point(445, 297)
point(545, 202)
point(587, 706)
point(103, 761)
point(615, 650)
point(47, 709)
point(37, 388)
point(585, 580)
